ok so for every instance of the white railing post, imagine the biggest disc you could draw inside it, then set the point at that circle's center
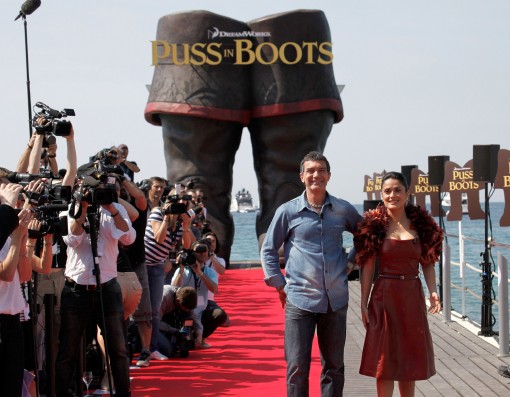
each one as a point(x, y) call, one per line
point(447, 285)
point(503, 304)
point(462, 262)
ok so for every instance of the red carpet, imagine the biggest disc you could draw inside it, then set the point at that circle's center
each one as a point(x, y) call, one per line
point(246, 359)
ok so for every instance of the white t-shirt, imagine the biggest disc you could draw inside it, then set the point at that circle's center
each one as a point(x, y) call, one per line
point(11, 298)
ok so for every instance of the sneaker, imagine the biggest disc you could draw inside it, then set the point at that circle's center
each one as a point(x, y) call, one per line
point(158, 356)
point(202, 345)
point(144, 360)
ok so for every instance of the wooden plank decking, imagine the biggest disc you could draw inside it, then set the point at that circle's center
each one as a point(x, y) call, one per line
point(466, 364)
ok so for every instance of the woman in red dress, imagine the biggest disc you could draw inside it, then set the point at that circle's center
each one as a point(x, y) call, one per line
point(400, 236)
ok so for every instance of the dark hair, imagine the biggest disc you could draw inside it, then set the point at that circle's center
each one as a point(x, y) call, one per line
point(4, 172)
point(396, 175)
point(187, 297)
point(217, 241)
point(153, 179)
point(199, 242)
point(314, 156)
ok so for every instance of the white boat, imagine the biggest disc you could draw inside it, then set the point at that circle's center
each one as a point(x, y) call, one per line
point(243, 202)
point(446, 202)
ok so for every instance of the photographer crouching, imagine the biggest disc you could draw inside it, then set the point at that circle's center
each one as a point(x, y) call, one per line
point(193, 273)
point(96, 224)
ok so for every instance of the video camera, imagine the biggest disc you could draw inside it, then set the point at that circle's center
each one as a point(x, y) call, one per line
point(48, 203)
point(98, 185)
point(54, 125)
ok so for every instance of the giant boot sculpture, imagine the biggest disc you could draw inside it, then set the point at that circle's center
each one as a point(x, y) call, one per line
point(202, 100)
point(295, 103)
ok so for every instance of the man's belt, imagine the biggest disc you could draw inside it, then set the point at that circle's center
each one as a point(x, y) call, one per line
point(86, 287)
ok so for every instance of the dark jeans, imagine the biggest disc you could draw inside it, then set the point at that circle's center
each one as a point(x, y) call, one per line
point(11, 355)
point(78, 308)
point(212, 317)
point(299, 332)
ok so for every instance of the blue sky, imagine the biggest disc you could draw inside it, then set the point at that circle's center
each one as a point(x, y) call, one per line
point(422, 79)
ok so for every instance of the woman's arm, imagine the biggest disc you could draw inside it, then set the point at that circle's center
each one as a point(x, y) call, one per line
point(367, 275)
point(429, 273)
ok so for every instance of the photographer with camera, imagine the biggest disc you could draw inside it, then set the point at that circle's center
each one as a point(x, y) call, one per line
point(48, 124)
point(176, 336)
point(50, 282)
point(103, 223)
point(9, 193)
point(166, 227)
point(129, 167)
point(193, 273)
point(216, 263)
point(15, 268)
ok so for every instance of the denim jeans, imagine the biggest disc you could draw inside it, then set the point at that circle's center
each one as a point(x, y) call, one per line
point(77, 309)
point(300, 327)
point(156, 276)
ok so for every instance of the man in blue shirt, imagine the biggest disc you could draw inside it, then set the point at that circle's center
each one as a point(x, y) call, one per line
point(314, 290)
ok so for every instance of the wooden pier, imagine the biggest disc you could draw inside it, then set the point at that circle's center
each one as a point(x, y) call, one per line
point(247, 358)
point(466, 364)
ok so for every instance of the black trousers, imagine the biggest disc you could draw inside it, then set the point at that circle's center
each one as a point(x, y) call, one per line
point(12, 354)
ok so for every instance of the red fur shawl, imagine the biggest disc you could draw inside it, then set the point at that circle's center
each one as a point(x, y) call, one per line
point(371, 233)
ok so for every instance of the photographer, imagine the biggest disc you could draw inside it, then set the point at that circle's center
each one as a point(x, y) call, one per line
point(51, 282)
point(174, 337)
point(217, 264)
point(193, 273)
point(164, 230)
point(14, 268)
point(129, 167)
point(81, 302)
point(9, 193)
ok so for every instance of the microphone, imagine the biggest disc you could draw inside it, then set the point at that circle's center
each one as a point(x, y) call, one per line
point(322, 215)
point(28, 7)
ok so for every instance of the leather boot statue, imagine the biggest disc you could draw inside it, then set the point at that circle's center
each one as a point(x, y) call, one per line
point(203, 108)
point(294, 105)
point(204, 94)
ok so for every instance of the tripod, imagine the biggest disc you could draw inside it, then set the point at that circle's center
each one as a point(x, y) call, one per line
point(93, 216)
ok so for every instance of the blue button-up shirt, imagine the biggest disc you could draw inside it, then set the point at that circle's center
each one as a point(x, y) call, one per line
point(315, 260)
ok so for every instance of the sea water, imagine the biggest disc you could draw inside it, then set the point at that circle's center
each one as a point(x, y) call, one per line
point(245, 248)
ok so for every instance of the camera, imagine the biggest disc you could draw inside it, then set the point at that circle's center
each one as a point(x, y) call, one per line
point(187, 338)
point(186, 257)
point(98, 185)
point(50, 194)
point(51, 221)
point(48, 203)
point(54, 124)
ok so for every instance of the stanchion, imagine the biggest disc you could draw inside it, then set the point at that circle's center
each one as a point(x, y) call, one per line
point(447, 294)
point(503, 305)
point(486, 321)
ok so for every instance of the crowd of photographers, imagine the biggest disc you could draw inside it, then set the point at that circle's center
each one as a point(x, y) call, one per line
point(86, 251)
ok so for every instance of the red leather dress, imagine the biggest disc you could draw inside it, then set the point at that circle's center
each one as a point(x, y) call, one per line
point(398, 345)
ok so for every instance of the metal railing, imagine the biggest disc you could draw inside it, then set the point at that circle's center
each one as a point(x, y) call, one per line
point(502, 280)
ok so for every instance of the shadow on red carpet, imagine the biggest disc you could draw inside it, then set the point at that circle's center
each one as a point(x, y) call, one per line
point(246, 359)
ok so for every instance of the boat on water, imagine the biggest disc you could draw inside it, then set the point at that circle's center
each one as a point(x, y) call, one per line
point(243, 202)
point(446, 202)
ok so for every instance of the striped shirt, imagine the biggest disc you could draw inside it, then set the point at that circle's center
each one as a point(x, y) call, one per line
point(155, 252)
